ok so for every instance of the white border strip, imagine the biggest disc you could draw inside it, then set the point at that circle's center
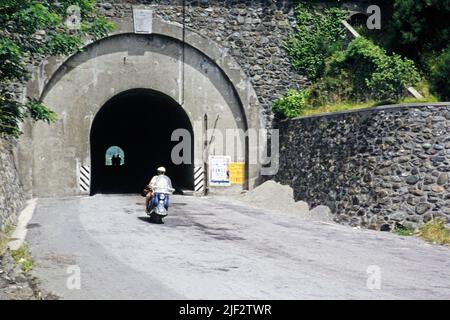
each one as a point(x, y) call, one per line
point(19, 234)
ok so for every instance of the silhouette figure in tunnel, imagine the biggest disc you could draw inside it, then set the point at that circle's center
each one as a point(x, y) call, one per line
point(116, 160)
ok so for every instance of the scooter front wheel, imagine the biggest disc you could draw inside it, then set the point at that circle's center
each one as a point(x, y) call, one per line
point(156, 218)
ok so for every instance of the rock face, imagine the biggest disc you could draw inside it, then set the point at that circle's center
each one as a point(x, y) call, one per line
point(374, 167)
point(11, 194)
point(253, 32)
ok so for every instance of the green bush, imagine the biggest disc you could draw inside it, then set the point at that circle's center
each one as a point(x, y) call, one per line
point(23, 258)
point(334, 87)
point(317, 35)
point(374, 74)
point(440, 76)
point(291, 105)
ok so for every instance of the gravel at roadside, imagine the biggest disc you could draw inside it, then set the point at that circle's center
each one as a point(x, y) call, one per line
point(279, 198)
point(18, 285)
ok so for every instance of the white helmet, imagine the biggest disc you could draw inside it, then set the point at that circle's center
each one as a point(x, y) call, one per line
point(161, 169)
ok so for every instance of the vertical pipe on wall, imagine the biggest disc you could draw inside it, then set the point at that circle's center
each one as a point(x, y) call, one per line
point(205, 153)
point(183, 53)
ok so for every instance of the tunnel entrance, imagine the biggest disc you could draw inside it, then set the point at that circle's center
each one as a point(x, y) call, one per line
point(131, 137)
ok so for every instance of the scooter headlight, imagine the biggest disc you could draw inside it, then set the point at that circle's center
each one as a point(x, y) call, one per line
point(162, 196)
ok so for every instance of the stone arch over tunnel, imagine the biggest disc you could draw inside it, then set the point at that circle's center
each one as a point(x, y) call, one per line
point(197, 75)
point(141, 123)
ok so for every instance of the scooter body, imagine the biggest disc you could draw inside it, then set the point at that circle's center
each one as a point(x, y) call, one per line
point(159, 206)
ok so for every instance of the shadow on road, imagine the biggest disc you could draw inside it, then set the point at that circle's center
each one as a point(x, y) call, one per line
point(149, 220)
point(146, 219)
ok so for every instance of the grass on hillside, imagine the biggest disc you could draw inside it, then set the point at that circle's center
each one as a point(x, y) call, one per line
point(348, 106)
point(344, 106)
point(423, 87)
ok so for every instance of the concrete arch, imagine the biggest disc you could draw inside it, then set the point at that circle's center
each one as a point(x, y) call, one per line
point(78, 87)
point(164, 45)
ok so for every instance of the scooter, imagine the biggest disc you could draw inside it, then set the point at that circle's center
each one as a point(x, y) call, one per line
point(158, 207)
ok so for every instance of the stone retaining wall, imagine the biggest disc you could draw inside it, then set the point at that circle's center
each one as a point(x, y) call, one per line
point(11, 194)
point(373, 168)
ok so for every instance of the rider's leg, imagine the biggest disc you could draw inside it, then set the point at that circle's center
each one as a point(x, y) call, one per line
point(166, 202)
point(147, 200)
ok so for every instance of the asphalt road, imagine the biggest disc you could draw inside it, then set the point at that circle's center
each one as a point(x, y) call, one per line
point(210, 249)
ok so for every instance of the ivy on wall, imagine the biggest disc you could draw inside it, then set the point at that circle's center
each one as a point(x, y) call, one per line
point(316, 37)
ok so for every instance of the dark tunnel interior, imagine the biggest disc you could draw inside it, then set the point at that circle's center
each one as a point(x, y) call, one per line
point(141, 123)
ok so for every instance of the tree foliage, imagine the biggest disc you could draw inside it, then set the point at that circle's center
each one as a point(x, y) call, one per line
point(419, 25)
point(31, 30)
point(440, 75)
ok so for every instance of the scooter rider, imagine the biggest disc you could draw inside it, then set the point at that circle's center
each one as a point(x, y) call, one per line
point(159, 184)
